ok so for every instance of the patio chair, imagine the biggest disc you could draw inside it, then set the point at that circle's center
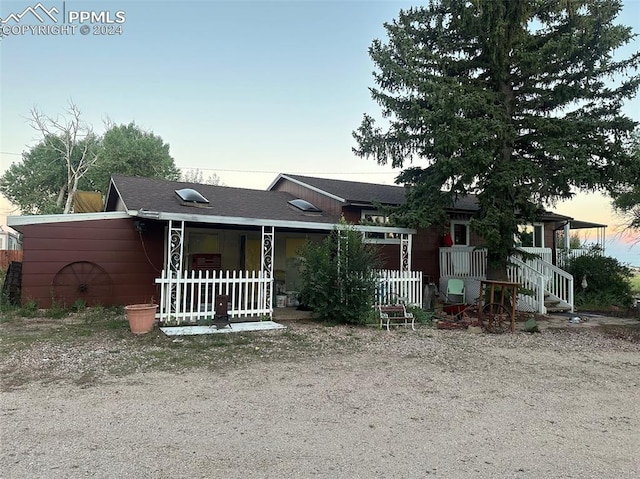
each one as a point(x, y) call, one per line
point(456, 287)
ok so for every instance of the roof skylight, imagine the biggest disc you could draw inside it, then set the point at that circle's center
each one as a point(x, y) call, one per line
point(304, 206)
point(189, 195)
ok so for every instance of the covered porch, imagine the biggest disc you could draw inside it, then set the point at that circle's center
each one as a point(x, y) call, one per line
point(260, 268)
point(593, 241)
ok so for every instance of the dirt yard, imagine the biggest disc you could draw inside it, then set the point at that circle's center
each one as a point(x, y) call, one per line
point(317, 401)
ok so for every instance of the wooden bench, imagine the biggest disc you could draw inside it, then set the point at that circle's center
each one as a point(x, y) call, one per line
point(395, 314)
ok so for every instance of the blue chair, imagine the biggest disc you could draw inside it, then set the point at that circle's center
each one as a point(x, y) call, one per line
point(456, 287)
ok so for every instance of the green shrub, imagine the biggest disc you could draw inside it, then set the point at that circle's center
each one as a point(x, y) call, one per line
point(422, 316)
point(338, 280)
point(79, 305)
point(57, 311)
point(29, 309)
point(607, 281)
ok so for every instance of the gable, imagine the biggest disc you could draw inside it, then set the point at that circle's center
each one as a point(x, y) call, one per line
point(342, 191)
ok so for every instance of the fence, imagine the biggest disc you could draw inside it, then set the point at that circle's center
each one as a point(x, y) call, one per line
point(399, 286)
point(188, 297)
point(9, 255)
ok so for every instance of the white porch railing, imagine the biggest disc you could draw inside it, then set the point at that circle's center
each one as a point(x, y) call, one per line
point(544, 254)
point(531, 280)
point(399, 286)
point(558, 283)
point(463, 262)
point(564, 255)
point(187, 297)
point(468, 263)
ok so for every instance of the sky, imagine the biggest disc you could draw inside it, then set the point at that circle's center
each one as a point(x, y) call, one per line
point(242, 89)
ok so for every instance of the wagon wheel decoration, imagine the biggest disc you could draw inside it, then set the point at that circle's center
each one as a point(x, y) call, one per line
point(81, 280)
point(496, 318)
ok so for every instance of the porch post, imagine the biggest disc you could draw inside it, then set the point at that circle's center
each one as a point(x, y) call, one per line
point(266, 262)
point(567, 236)
point(405, 252)
point(175, 252)
point(175, 246)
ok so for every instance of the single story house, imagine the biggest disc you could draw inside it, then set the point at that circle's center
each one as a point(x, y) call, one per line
point(455, 251)
point(181, 244)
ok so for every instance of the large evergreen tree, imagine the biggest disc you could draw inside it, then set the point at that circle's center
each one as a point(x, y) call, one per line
point(515, 101)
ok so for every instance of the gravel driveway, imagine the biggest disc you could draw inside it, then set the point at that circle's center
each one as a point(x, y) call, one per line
point(429, 403)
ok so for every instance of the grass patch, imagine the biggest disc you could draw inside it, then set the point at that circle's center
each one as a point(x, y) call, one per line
point(89, 345)
point(635, 283)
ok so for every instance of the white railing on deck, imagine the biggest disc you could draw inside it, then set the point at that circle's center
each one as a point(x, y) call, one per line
point(558, 284)
point(189, 296)
point(463, 262)
point(542, 253)
point(469, 263)
point(399, 286)
point(532, 281)
point(563, 255)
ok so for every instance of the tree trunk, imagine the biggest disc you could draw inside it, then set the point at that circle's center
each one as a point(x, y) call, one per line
point(61, 196)
point(497, 268)
point(72, 193)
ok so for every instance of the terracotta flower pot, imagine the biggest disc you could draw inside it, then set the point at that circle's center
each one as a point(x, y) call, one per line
point(142, 317)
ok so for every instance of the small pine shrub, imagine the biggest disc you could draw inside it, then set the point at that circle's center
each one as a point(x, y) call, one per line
point(338, 280)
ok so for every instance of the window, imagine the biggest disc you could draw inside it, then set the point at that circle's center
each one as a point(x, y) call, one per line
point(373, 217)
point(460, 233)
point(530, 236)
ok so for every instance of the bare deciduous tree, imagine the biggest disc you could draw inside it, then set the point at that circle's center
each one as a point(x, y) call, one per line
point(75, 142)
point(195, 175)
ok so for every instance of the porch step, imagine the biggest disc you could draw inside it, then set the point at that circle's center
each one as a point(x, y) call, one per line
point(558, 309)
point(555, 305)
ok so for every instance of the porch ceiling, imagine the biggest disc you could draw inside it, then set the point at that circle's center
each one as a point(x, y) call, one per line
point(581, 225)
point(243, 221)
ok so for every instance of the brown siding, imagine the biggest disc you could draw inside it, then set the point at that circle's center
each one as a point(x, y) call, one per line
point(352, 214)
point(425, 256)
point(113, 245)
point(389, 255)
point(329, 205)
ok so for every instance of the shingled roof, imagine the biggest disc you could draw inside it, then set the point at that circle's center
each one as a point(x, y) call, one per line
point(157, 195)
point(367, 193)
point(351, 191)
point(153, 194)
